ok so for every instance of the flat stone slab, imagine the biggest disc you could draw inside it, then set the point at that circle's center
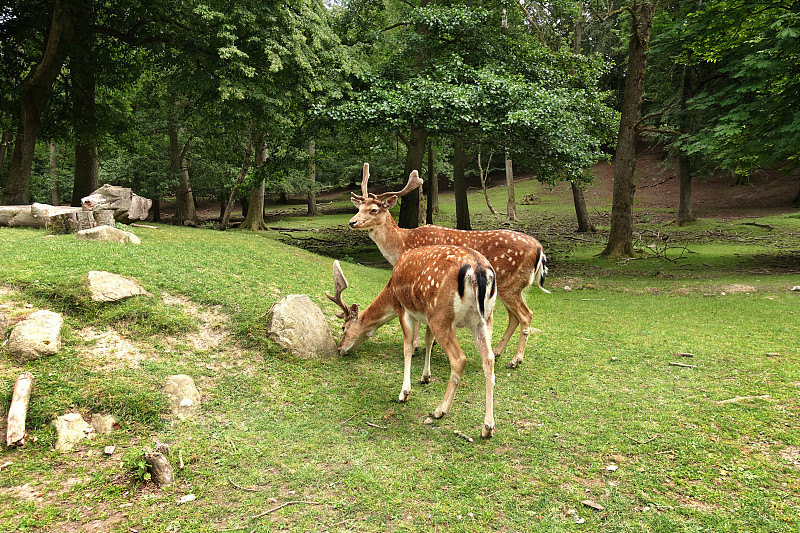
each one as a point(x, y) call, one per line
point(72, 429)
point(108, 234)
point(110, 287)
point(183, 396)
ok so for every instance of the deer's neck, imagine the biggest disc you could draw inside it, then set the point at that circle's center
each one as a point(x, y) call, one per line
point(390, 238)
point(382, 310)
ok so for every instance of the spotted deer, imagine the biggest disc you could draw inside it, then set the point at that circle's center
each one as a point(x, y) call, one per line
point(517, 258)
point(445, 287)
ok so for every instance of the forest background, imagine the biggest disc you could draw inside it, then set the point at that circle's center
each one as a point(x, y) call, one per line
point(186, 99)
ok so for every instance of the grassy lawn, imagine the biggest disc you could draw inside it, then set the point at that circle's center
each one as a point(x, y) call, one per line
point(595, 413)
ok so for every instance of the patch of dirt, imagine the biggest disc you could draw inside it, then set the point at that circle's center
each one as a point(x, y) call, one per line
point(23, 492)
point(110, 347)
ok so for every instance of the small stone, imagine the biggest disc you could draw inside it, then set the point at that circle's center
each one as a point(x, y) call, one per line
point(187, 498)
point(795, 288)
point(612, 468)
point(593, 505)
point(428, 421)
point(109, 450)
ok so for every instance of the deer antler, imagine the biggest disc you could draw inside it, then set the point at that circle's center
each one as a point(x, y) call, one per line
point(414, 181)
point(339, 285)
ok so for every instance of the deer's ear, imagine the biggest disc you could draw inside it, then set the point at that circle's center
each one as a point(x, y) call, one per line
point(390, 202)
point(354, 311)
point(356, 201)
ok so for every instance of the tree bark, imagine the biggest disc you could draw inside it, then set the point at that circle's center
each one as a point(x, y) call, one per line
point(55, 195)
point(5, 138)
point(184, 198)
point(409, 204)
point(684, 167)
point(82, 74)
point(511, 204)
point(432, 207)
point(460, 184)
point(254, 220)
point(484, 176)
point(33, 100)
point(584, 222)
point(245, 165)
point(312, 181)
point(620, 239)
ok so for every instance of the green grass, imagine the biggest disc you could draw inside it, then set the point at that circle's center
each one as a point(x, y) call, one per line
point(596, 389)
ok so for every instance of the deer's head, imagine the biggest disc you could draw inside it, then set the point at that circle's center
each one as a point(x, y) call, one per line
point(353, 332)
point(374, 208)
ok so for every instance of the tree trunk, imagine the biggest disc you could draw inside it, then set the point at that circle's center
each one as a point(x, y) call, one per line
point(409, 204)
point(254, 220)
point(156, 209)
point(620, 238)
point(312, 181)
point(55, 195)
point(581, 213)
point(584, 222)
point(245, 165)
point(432, 207)
point(82, 74)
point(18, 411)
point(484, 176)
point(33, 100)
point(511, 204)
point(184, 199)
point(5, 138)
point(684, 167)
point(460, 184)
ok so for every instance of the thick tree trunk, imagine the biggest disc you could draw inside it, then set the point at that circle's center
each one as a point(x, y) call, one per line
point(254, 220)
point(460, 184)
point(312, 181)
point(55, 195)
point(432, 207)
point(511, 204)
point(584, 222)
point(82, 73)
point(409, 204)
point(184, 199)
point(620, 239)
point(33, 100)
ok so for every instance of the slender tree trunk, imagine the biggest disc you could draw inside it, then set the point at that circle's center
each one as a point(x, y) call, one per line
point(581, 212)
point(584, 222)
point(409, 204)
point(460, 184)
point(245, 166)
point(484, 176)
point(184, 198)
point(254, 220)
point(511, 204)
point(5, 138)
point(684, 167)
point(620, 239)
point(432, 207)
point(82, 73)
point(55, 196)
point(157, 209)
point(312, 181)
point(33, 100)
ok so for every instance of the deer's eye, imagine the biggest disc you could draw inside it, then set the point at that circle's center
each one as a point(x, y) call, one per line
point(374, 211)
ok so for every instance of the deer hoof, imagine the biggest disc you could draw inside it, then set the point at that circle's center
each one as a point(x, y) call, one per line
point(514, 363)
point(425, 379)
point(404, 396)
point(438, 413)
point(487, 431)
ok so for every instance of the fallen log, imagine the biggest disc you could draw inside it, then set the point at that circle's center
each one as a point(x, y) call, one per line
point(18, 411)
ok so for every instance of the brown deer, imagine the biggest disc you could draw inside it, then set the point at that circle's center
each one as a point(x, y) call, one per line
point(446, 287)
point(517, 258)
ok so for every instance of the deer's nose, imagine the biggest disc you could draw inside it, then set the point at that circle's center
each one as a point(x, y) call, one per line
point(353, 223)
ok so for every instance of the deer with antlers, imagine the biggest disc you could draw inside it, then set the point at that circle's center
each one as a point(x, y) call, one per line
point(446, 287)
point(517, 258)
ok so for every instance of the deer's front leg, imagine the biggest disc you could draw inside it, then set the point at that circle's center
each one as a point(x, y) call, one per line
point(407, 324)
point(426, 369)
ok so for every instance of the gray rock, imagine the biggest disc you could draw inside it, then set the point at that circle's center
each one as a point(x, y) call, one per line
point(108, 287)
point(108, 234)
point(298, 325)
point(37, 336)
point(72, 428)
point(103, 424)
point(183, 395)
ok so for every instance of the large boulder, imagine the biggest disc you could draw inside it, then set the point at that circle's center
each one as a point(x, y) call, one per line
point(37, 336)
point(108, 234)
point(298, 325)
point(109, 287)
point(183, 396)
